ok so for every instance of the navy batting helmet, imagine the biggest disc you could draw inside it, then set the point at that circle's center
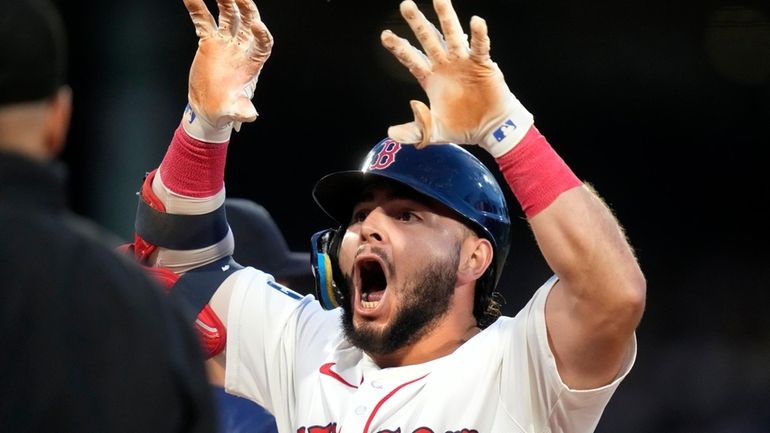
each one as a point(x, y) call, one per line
point(444, 172)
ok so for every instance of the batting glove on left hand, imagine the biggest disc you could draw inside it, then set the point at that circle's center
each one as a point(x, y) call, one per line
point(470, 103)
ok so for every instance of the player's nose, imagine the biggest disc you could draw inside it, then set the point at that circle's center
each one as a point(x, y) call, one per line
point(373, 226)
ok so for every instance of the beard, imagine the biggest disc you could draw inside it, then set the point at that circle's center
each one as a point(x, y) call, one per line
point(425, 301)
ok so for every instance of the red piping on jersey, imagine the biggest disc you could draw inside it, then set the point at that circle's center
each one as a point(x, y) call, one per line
point(384, 399)
point(327, 370)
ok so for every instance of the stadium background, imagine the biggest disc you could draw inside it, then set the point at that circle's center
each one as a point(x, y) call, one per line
point(663, 106)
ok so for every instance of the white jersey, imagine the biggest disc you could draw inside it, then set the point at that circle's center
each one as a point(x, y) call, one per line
point(289, 355)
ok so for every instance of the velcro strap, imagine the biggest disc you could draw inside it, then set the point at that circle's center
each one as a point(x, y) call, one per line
point(180, 232)
point(195, 288)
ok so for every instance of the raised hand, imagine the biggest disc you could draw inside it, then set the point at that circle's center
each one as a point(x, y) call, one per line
point(230, 56)
point(470, 102)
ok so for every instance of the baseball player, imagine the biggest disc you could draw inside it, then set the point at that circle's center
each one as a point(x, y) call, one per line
point(405, 334)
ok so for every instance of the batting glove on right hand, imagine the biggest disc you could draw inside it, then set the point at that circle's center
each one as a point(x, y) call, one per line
point(470, 103)
point(224, 73)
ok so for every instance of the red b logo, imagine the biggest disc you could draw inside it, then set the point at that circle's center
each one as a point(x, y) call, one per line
point(386, 156)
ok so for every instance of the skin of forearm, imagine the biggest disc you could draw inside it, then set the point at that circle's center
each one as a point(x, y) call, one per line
point(586, 247)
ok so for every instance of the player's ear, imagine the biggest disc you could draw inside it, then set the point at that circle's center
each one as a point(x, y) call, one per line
point(475, 257)
point(58, 121)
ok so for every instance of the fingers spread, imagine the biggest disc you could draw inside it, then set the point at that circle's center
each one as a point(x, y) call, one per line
point(408, 55)
point(456, 39)
point(263, 45)
point(479, 40)
point(249, 12)
point(229, 17)
point(249, 15)
point(201, 17)
point(424, 31)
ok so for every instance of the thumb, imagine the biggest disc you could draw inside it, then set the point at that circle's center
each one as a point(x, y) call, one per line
point(407, 133)
point(244, 110)
point(416, 132)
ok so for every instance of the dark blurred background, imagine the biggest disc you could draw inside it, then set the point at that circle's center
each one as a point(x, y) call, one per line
point(663, 106)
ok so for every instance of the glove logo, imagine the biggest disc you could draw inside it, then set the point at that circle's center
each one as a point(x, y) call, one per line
point(386, 156)
point(506, 128)
point(190, 114)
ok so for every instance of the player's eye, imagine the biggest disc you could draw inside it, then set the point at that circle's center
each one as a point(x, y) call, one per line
point(359, 215)
point(407, 216)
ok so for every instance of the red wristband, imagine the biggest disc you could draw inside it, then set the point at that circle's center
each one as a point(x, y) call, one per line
point(536, 173)
point(193, 168)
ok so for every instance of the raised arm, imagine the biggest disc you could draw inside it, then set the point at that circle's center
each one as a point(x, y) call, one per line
point(181, 229)
point(593, 310)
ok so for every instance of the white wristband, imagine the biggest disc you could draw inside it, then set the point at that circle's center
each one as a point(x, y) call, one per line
point(508, 129)
point(201, 129)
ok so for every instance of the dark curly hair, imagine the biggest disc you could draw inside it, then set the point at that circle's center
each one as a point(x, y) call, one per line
point(487, 304)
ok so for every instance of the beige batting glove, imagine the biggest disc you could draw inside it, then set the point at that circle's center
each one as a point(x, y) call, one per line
point(224, 73)
point(470, 103)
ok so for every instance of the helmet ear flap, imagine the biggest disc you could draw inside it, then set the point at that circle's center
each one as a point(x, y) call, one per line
point(329, 283)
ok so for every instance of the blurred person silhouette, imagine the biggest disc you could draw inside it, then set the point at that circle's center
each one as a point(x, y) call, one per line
point(259, 242)
point(90, 344)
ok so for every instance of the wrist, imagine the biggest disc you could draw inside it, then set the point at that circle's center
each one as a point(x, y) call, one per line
point(193, 168)
point(200, 128)
point(508, 129)
point(536, 174)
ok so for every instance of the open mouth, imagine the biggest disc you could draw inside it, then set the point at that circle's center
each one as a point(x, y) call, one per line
point(373, 283)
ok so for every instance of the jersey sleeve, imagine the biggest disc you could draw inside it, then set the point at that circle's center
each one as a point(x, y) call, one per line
point(267, 323)
point(531, 388)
